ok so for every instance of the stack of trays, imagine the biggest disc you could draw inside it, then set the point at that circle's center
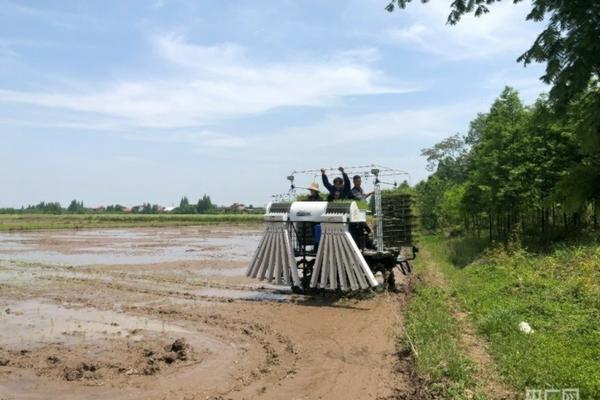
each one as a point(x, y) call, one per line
point(399, 218)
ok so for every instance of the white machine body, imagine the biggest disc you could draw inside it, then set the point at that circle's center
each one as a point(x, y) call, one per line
point(316, 211)
point(339, 264)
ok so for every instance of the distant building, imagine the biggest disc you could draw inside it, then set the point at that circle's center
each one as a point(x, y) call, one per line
point(238, 207)
point(99, 209)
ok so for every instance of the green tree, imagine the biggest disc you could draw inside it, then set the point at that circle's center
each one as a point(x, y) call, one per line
point(429, 195)
point(568, 44)
point(581, 184)
point(185, 207)
point(498, 159)
point(115, 208)
point(448, 158)
point(184, 202)
point(76, 207)
point(204, 205)
point(520, 169)
point(451, 208)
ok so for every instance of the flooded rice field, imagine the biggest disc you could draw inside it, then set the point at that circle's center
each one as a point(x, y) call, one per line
point(167, 313)
point(124, 246)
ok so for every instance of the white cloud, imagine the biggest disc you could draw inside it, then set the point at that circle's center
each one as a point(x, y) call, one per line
point(432, 122)
point(351, 140)
point(498, 32)
point(219, 82)
point(199, 140)
point(419, 124)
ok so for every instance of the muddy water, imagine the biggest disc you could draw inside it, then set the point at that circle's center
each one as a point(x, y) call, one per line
point(91, 315)
point(122, 246)
point(33, 323)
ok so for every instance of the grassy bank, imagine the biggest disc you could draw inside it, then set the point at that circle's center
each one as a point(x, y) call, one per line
point(557, 294)
point(432, 336)
point(9, 222)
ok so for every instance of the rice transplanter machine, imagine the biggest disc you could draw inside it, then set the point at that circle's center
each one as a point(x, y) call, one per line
point(319, 245)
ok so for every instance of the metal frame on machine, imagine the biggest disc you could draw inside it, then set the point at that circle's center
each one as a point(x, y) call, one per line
point(366, 171)
point(299, 249)
point(337, 262)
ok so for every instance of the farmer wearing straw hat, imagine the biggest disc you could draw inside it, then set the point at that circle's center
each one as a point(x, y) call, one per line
point(314, 192)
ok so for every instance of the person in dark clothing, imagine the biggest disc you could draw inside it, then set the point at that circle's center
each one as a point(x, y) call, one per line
point(340, 188)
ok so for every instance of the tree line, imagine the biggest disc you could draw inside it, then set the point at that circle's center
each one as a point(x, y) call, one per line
point(203, 206)
point(527, 170)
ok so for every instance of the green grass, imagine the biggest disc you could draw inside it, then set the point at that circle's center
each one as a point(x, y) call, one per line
point(558, 294)
point(9, 222)
point(432, 336)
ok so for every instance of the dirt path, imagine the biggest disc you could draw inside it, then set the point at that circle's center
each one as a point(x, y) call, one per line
point(183, 327)
point(485, 374)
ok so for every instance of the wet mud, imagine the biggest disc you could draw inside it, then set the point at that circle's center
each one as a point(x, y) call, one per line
point(167, 313)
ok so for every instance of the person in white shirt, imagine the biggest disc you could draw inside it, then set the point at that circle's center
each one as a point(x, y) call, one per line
point(357, 191)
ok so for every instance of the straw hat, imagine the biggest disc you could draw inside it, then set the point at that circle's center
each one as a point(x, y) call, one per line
point(314, 186)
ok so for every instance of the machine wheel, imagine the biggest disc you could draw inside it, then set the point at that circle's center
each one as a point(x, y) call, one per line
point(404, 267)
point(401, 268)
point(307, 269)
point(389, 280)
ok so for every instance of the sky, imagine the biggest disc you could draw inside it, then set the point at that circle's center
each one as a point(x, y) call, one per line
point(146, 101)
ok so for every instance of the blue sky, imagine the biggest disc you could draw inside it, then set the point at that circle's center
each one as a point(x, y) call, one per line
point(146, 101)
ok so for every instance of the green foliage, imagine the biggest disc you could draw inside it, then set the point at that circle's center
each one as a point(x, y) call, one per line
point(519, 169)
point(44, 207)
point(76, 207)
point(304, 196)
point(115, 208)
point(429, 194)
point(204, 205)
point(582, 181)
point(146, 208)
point(557, 294)
point(448, 158)
point(568, 44)
point(185, 207)
point(451, 206)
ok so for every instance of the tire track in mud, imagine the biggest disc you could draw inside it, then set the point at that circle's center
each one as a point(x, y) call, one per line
point(276, 350)
point(298, 347)
point(278, 354)
point(276, 358)
point(242, 353)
